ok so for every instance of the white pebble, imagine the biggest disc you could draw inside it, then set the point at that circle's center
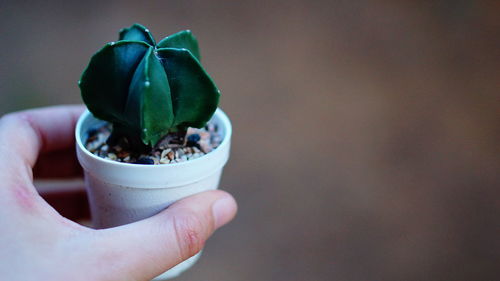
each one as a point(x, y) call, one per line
point(112, 156)
point(165, 152)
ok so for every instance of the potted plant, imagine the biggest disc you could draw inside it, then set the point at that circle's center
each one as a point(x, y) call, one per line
point(153, 133)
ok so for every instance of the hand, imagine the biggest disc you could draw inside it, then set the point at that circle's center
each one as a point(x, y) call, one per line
point(37, 243)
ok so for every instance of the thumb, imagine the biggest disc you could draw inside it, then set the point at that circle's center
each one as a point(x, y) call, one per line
point(147, 248)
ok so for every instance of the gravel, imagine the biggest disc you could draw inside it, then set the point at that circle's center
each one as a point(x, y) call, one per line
point(198, 142)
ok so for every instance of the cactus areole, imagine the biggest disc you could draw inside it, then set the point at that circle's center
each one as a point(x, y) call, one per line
point(149, 90)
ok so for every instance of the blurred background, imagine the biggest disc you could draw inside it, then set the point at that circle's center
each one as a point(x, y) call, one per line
point(366, 133)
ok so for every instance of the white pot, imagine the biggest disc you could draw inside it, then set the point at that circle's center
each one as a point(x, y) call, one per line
point(121, 193)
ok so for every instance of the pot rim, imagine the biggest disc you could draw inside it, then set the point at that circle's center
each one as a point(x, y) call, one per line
point(86, 114)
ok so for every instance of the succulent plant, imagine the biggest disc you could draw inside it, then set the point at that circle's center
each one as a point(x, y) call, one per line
point(148, 90)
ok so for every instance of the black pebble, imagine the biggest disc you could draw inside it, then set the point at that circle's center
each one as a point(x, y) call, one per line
point(92, 132)
point(145, 161)
point(193, 140)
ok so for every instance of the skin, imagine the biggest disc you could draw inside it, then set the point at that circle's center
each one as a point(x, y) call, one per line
point(38, 243)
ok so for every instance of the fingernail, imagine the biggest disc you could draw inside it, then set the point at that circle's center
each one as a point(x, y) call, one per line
point(224, 210)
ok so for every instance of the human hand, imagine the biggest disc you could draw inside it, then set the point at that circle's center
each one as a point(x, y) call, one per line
point(37, 243)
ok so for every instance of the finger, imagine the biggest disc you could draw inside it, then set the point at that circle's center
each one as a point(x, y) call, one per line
point(147, 248)
point(58, 164)
point(26, 133)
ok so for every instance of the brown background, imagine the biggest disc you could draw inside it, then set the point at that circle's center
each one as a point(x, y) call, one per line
point(365, 134)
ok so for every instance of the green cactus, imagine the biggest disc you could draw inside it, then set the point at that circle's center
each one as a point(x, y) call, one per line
point(148, 90)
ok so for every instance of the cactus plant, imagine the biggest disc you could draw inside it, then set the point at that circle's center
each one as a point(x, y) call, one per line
point(149, 90)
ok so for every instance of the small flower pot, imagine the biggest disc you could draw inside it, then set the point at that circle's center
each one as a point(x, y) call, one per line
point(121, 193)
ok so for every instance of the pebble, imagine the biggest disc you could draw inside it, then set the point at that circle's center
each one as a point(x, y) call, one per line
point(164, 153)
point(145, 161)
point(195, 155)
point(198, 143)
point(192, 140)
point(205, 146)
point(170, 155)
point(156, 160)
point(122, 154)
point(92, 138)
point(92, 132)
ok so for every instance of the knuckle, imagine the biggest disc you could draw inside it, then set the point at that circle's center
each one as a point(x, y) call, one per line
point(190, 234)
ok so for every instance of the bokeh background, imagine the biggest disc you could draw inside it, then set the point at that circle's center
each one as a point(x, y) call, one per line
point(366, 133)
